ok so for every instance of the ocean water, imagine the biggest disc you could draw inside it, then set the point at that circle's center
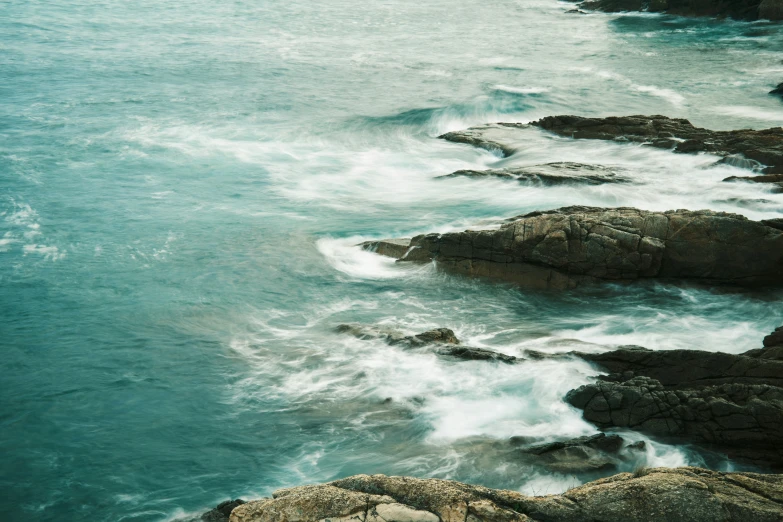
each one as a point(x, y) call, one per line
point(182, 188)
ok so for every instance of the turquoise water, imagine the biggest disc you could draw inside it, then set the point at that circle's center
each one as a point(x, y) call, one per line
point(183, 184)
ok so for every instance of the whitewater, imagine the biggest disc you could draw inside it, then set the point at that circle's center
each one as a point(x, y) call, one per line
point(183, 188)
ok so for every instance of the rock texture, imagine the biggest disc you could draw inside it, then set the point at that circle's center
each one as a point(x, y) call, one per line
point(763, 148)
point(775, 180)
point(656, 495)
point(737, 9)
point(584, 454)
point(732, 403)
point(442, 340)
point(549, 174)
point(570, 246)
point(221, 513)
point(777, 91)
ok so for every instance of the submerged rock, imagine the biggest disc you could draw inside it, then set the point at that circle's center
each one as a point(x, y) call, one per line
point(654, 495)
point(587, 454)
point(732, 403)
point(737, 9)
point(560, 173)
point(570, 246)
point(442, 340)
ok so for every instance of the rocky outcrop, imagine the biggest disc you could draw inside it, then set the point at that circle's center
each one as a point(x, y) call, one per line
point(775, 180)
point(777, 91)
point(221, 513)
point(654, 495)
point(731, 403)
point(593, 453)
point(737, 9)
point(763, 148)
point(549, 174)
point(442, 340)
point(570, 246)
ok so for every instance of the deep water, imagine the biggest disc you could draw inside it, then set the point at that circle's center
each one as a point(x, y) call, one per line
point(182, 187)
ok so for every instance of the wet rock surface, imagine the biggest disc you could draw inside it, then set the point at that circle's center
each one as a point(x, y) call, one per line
point(441, 340)
point(221, 513)
point(732, 403)
point(736, 9)
point(762, 147)
point(777, 91)
point(550, 174)
point(684, 494)
point(599, 452)
point(570, 246)
point(774, 180)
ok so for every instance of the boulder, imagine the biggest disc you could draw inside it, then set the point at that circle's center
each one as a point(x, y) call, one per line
point(570, 246)
point(549, 174)
point(587, 454)
point(654, 495)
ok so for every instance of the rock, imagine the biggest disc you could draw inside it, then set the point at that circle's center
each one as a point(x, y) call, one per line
point(737, 9)
point(771, 10)
point(777, 91)
point(573, 245)
point(581, 455)
point(561, 173)
point(495, 137)
point(657, 495)
point(476, 354)
point(222, 512)
point(762, 146)
point(776, 180)
point(745, 421)
point(732, 403)
point(446, 343)
point(388, 247)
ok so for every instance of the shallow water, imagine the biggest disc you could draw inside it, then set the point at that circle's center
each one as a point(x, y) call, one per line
point(183, 187)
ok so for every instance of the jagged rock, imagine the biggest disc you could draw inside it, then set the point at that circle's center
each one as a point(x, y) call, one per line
point(446, 343)
point(657, 495)
point(570, 246)
point(737, 9)
point(560, 173)
point(733, 403)
point(777, 91)
point(222, 511)
point(774, 339)
point(388, 247)
point(745, 421)
point(764, 147)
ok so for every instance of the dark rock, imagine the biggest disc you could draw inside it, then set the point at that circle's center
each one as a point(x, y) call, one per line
point(442, 339)
point(776, 180)
point(388, 247)
point(763, 146)
point(575, 11)
point(745, 421)
point(495, 137)
point(570, 246)
point(732, 403)
point(476, 354)
point(222, 512)
point(777, 91)
point(656, 495)
point(580, 455)
point(737, 9)
point(560, 173)
point(774, 223)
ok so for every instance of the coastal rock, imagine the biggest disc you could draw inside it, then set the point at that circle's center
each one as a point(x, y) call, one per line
point(777, 91)
point(549, 174)
point(776, 180)
point(737, 9)
point(763, 147)
point(570, 246)
point(587, 454)
point(221, 512)
point(733, 403)
point(443, 340)
point(654, 495)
